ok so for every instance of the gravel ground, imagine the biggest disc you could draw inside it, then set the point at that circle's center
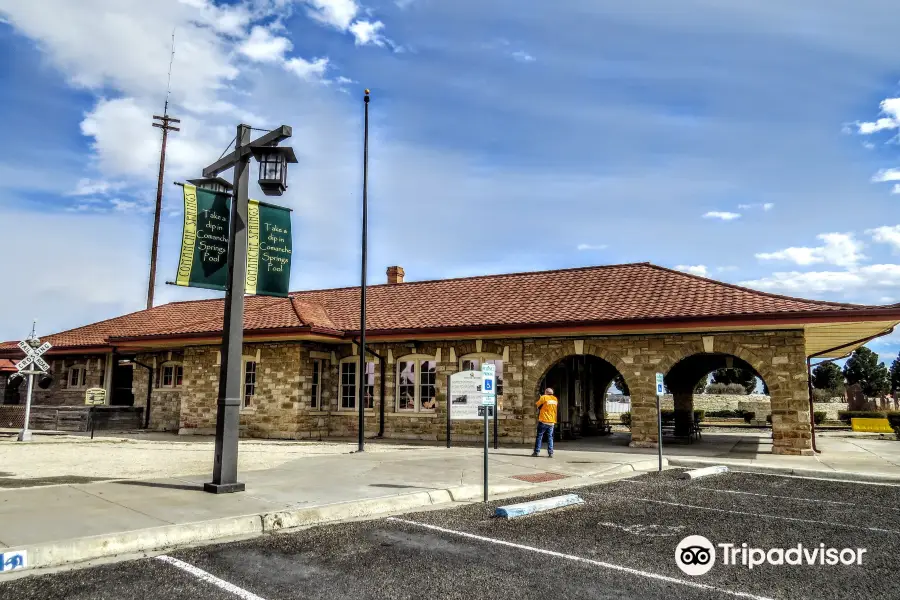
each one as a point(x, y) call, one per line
point(140, 458)
point(619, 544)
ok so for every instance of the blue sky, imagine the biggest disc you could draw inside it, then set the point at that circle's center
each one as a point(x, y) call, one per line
point(749, 142)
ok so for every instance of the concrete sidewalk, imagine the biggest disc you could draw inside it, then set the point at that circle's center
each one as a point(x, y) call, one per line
point(68, 523)
point(843, 454)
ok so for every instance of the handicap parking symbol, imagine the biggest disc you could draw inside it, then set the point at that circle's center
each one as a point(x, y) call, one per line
point(10, 561)
point(488, 385)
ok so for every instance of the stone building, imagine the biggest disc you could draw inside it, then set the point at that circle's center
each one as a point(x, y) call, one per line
point(573, 329)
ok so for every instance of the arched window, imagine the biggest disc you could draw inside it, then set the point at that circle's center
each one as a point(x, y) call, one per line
point(170, 375)
point(77, 376)
point(349, 394)
point(416, 379)
point(473, 362)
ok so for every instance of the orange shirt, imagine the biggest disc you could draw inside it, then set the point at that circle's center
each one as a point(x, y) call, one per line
point(547, 406)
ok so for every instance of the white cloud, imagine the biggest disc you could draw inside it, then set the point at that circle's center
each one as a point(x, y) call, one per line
point(725, 216)
point(305, 69)
point(886, 235)
point(262, 46)
point(700, 270)
point(367, 32)
point(591, 246)
point(896, 189)
point(863, 279)
point(522, 56)
point(337, 13)
point(886, 175)
point(91, 187)
point(768, 206)
point(890, 107)
point(839, 249)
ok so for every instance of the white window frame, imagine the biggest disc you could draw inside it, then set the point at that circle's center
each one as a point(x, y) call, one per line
point(315, 401)
point(417, 359)
point(81, 368)
point(174, 365)
point(354, 360)
point(248, 402)
point(481, 357)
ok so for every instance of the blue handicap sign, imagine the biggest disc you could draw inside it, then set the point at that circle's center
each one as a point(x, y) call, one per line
point(12, 560)
point(488, 385)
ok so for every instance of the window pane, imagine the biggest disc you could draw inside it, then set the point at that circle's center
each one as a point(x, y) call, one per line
point(406, 385)
point(249, 381)
point(427, 378)
point(179, 375)
point(369, 389)
point(471, 365)
point(73, 377)
point(168, 375)
point(317, 368)
point(348, 385)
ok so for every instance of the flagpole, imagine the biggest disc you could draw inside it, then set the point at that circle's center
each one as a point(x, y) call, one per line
point(361, 373)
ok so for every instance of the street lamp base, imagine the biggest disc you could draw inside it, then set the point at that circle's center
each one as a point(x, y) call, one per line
point(223, 488)
point(24, 435)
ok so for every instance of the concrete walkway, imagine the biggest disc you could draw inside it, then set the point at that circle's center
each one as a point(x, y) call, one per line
point(65, 523)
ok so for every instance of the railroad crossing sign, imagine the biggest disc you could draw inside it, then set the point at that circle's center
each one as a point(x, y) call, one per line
point(33, 356)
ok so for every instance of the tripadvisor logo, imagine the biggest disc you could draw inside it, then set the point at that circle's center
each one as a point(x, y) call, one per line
point(696, 555)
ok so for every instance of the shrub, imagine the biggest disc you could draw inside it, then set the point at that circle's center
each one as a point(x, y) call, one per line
point(626, 419)
point(699, 415)
point(893, 417)
point(846, 415)
point(749, 416)
point(716, 388)
point(725, 414)
point(819, 417)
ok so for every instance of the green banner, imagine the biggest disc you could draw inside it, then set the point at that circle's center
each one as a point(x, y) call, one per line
point(269, 249)
point(204, 243)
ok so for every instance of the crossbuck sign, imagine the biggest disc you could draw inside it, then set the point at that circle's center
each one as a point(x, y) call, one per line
point(33, 356)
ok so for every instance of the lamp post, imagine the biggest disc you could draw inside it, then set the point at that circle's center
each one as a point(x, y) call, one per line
point(361, 375)
point(272, 182)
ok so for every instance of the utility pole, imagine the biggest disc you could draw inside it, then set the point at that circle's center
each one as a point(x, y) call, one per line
point(164, 124)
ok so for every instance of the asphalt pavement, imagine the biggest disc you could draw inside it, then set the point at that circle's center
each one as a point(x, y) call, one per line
point(621, 543)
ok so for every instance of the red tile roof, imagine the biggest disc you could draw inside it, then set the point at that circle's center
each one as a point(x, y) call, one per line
point(7, 365)
point(630, 293)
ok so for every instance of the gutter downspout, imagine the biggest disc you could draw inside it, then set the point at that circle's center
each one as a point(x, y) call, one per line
point(381, 370)
point(812, 419)
point(149, 390)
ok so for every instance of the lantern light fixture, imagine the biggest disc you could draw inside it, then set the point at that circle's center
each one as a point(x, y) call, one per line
point(273, 162)
point(213, 184)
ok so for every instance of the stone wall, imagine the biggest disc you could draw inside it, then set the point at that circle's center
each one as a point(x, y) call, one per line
point(60, 392)
point(165, 403)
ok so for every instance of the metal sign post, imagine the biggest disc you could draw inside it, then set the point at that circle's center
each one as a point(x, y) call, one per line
point(33, 350)
point(488, 401)
point(660, 388)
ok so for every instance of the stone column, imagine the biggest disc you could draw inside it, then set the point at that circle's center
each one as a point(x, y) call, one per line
point(644, 432)
point(791, 430)
point(684, 412)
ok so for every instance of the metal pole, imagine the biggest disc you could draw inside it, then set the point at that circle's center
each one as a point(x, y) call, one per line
point(496, 412)
point(159, 192)
point(448, 411)
point(362, 285)
point(485, 453)
point(230, 396)
point(659, 432)
point(25, 435)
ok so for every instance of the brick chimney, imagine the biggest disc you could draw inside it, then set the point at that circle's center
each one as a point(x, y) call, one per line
point(395, 274)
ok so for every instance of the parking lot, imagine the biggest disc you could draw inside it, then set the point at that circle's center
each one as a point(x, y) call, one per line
point(619, 544)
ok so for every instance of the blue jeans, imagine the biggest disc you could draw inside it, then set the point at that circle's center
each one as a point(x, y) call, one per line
point(543, 428)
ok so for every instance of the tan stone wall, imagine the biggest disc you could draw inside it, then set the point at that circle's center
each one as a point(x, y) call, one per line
point(60, 393)
point(165, 403)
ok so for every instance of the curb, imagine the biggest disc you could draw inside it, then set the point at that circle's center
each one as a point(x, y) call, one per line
point(820, 473)
point(170, 537)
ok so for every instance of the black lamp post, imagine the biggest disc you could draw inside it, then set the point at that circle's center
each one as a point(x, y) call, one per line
point(230, 388)
point(361, 372)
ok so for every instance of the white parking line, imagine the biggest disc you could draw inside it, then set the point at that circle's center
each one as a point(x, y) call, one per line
point(835, 479)
point(589, 561)
point(209, 578)
point(798, 499)
point(750, 514)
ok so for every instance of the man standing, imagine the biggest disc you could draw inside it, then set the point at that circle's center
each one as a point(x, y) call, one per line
point(546, 420)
